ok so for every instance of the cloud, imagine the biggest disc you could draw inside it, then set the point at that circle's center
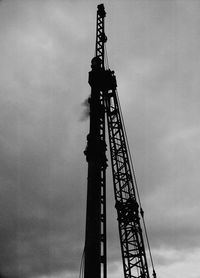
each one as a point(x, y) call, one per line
point(185, 265)
point(45, 50)
point(39, 128)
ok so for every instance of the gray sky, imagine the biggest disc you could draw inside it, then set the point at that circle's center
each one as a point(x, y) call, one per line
point(45, 52)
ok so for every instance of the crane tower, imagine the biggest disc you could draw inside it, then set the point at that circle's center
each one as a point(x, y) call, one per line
point(104, 104)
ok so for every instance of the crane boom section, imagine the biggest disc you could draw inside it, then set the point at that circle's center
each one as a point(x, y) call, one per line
point(131, 238)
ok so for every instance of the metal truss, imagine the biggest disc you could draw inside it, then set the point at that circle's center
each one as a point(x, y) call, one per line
point(131, 238)
point(95, 242)
point(100, 41)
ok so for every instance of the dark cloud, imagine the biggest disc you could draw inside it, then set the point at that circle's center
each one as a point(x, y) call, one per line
point(40, 143)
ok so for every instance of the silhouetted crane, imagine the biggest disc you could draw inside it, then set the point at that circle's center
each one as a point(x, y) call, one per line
point(104, 102)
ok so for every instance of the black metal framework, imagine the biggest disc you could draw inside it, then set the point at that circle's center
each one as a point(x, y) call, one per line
point(100, 34)
point(100, 41)
point(95, 240)
point(103, 100)
point(131, 238)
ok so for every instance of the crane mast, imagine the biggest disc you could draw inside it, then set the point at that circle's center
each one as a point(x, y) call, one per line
point(95, 239)
point(104, 103)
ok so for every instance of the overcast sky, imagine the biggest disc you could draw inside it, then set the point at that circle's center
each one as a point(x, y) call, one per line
point(45, 52)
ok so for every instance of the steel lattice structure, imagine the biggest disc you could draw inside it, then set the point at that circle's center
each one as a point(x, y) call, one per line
point(104, 101)
point(95, 242)
point(131, 239)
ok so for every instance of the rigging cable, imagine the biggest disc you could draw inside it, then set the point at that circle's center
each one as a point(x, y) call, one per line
point(81, 272)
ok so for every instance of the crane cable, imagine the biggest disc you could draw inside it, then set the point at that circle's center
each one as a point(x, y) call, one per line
point(135, 182)
point(82, 264)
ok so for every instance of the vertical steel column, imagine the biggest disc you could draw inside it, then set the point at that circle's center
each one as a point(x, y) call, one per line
point(100, 41)
point(95, 241)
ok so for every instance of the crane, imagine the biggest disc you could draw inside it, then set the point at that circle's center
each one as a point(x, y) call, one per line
point(104, 105)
